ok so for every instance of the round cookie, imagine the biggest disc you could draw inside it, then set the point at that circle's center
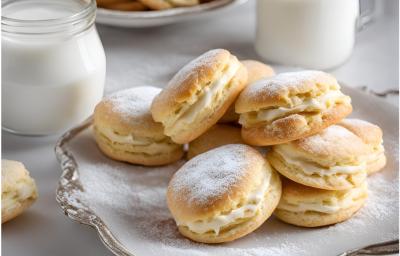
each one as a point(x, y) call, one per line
point(255, 71)
point(333, 159)
point(216, 136)
point(122, 5)
point(290, 106)
point(223, 194)
point(125, 130)
point(18, 189)
point(167, 4)
point(199, 94)
point(311, 207)
point(372, 136)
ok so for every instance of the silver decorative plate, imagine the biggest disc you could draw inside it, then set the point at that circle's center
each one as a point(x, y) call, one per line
point(162, 17)
point(69, 183)
point(126, 203)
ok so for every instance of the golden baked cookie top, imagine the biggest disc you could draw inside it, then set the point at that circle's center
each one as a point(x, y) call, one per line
point(188, 83)
point(285, 89)
point(333, 146)
point(215, 181)
point(368, 132)
point(128, 112)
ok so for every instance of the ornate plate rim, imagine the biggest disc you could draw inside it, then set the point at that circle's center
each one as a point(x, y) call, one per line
point(69, 182)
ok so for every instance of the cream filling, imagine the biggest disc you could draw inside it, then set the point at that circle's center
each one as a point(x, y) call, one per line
point(334, 205)
point(311, 168)
point(248, 210)
point(147, 145)
point(205, 100)
point(126, 139)
point(320, 103)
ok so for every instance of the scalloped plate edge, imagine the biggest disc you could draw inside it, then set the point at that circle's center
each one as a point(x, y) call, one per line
point(69, 183)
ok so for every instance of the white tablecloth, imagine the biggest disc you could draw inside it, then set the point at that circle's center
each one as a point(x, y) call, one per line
point(150, 56)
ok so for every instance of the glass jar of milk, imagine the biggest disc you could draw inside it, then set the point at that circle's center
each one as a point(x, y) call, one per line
point(53, 64)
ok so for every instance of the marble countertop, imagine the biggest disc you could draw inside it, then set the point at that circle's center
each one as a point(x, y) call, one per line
point(150, 56)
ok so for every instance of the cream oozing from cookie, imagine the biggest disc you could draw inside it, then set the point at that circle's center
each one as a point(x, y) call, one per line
point(293, 158)
point(207, 99)
point(298, 105)
point(125, 139)
point(247, 210)
point(142, 144)
point(344, 200)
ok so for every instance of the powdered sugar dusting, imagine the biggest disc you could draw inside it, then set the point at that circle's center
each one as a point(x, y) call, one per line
point(296, 78)
point(131, 200)
point(274, 85)
point(133, 103)
point(332, 134)
point(333, 141)
point(193, 67)
point(206, 177)
point(382, 202)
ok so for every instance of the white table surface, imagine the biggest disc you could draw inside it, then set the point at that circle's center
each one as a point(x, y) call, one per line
point(149, 57)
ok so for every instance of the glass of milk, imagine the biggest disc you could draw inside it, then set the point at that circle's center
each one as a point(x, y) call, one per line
point(316, 34)
point(53, 65)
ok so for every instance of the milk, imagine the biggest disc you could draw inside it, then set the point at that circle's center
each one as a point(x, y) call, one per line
point(316, 34)
point(50, 83)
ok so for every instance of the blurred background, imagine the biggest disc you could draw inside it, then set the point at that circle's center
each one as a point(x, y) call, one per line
point(150, 56)
point(134, 54)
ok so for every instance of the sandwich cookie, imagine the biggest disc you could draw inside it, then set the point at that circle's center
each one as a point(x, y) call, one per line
point(290, 106)
point(223, 194)
point(372, 136)
point(334, 159)
point(18, 189)
point(311, 207)
point(255, 71)
point(216, 136)
point(199, 94)
point(125, 130)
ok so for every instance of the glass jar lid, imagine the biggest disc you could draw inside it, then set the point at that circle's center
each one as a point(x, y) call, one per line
point(47, 17)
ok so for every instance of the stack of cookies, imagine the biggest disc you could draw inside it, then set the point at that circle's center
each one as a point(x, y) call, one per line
point(229, 111)
point(145, 5)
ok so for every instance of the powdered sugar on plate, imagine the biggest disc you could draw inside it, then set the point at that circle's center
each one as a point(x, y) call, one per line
point(131, 201)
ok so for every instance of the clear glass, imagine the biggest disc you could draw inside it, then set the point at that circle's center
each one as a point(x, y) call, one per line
point(53, 65)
